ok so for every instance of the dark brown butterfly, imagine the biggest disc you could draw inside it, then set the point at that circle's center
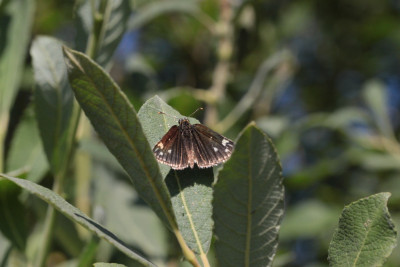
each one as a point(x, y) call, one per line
point(186, 144)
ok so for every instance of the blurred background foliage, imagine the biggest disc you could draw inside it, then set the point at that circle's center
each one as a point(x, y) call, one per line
point(320, 77)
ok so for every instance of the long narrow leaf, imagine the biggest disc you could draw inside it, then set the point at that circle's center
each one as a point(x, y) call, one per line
point(116, 122)
point(15, 24)
point(53, 100)
point(76, 215)
point(248, 202)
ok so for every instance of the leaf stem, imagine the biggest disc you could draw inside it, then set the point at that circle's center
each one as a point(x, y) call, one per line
point(95, 35)
point(48, 226)
point(187, 252)
point(189, 216)
point(224, 32)
point(204, 259)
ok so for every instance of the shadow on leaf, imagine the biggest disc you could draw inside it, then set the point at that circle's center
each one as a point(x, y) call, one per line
point(178, 180)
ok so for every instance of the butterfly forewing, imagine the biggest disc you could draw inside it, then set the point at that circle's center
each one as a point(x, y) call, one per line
point(184, 145)
point(170, 151)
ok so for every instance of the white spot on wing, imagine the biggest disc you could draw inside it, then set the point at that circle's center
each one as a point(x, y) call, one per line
point(161, 153)
point(169, 151)
point(224, 142)
point(226, 150)
point(215, 149)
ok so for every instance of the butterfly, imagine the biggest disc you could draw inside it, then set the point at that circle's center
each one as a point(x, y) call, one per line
point(186, 144)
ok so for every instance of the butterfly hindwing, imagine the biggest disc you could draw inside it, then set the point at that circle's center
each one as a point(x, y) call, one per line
point(210, 147)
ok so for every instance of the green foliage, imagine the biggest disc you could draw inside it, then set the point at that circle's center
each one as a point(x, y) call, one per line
point(53, 100)
point(366, 234)
point(16, 25)
point(190, 190)
point(191, 195)
point(329, 101)
point(132, 221)
point(26, 151)
point(75, 215)
point(110, 28)
point(248, 202)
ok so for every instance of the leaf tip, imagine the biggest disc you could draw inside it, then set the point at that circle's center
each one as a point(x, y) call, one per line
point(70, 59)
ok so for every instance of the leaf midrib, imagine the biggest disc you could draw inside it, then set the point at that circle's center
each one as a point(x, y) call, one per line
point(249, 205)
point(189, 215)
point(363, 242)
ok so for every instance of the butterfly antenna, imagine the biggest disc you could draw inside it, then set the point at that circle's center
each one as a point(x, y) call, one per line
point(161, 112)
point(200, 108)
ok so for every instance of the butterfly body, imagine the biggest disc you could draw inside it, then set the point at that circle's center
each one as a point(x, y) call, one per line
point(187, 144)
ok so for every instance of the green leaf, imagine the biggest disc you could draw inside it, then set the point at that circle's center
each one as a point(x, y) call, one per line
point(116, 14)
point(13, 220)
point(248, 202)
point(53, 100)
point(26, 151)
point(15, 24)
point(366, 234)
point(114, 26)
point(191, 194)
point(76, 215)
point(117, 123)
point(134, 222)
point(190, 190)
point(154, 9)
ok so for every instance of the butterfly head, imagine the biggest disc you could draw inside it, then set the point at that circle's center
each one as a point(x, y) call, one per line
point(184, 124)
